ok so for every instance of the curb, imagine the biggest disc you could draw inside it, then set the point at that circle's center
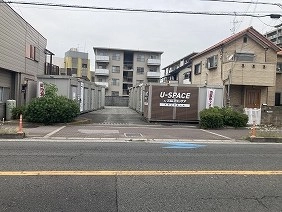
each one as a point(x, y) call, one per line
point(12, 136)
point(265, 139)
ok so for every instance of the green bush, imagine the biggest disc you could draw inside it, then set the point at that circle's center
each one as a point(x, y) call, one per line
point(234, 118)
point(219, 117)
point(51, 109)
point(211, 118)
point(16, 111)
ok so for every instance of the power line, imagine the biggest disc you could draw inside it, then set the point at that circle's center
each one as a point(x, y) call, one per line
point(138, 10)
point(247, 2)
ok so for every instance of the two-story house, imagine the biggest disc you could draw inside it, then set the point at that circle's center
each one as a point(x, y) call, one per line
point(245, 64)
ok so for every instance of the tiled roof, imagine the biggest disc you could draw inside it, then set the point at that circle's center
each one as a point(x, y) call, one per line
point(251, 32)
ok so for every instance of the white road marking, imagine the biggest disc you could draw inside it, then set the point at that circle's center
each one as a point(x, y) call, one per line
point(217, 134)
point(53, 132)
point(98, 131)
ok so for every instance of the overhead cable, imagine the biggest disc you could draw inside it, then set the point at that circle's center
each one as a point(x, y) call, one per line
point(139, 10)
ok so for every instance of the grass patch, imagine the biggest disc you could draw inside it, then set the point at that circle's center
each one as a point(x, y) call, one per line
point(268, 131)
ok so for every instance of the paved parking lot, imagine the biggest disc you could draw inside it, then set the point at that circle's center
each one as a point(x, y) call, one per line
point(123, 123)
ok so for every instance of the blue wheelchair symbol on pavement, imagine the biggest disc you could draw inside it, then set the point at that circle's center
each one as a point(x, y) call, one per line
point(182, 145)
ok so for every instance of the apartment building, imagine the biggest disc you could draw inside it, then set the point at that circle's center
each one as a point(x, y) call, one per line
point(246, 64)
point(77, 64)
point(275, 35)
point(120, 69)
point(179, 72)
point(23, 56)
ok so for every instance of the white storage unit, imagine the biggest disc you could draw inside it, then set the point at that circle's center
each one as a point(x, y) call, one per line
point(84, 92)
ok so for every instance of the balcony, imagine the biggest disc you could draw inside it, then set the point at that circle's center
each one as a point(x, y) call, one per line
point(102, 59)
point(104, 84)
point(127, 79)
point(153, 62)
point(249, 73)
point(102, 72)
point(155, 75)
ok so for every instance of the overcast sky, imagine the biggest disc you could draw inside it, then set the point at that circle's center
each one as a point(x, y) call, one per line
point(177, 35)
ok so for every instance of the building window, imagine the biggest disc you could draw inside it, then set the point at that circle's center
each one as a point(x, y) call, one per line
point(187, 75)
point(115, 93)
point(4, 94)
point(116, 56)
point(84, 65)
point(153, 69)
point(212, 62)
point(115, 82)
point(153, 80)
point(115, 69)
point(248, 57)
point(245, 39)
point(102, 67)
point(102, 53)
point(154, 56)
point(32, 52)
point(277, 99)
point(1, 94)
point(74, 71)
point(141, 57)
point(140, 70)
point(197, 68)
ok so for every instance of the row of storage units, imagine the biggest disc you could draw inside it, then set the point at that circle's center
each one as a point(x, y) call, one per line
point(89, 95)
point(178, 103)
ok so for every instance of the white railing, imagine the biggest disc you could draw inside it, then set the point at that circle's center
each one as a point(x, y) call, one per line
point(104, 84)
point(154, 62)
point(102, 72)
point(102, 58)
point(153, 74)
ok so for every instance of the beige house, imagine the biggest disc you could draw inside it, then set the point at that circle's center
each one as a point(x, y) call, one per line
point(247, 65)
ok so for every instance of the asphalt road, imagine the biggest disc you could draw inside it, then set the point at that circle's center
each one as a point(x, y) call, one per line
point(139, 176)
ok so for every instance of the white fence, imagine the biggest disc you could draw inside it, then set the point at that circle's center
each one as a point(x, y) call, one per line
point(254, 115)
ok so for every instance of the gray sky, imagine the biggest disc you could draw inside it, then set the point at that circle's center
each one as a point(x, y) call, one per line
point(175, 34)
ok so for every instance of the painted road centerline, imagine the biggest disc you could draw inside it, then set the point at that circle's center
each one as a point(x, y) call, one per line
point(136, 173)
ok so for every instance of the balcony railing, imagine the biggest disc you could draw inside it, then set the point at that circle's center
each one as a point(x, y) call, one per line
point(249, 73)
point(105, 84)
point(102, 72)
point(102, 59)
point(153, 62)
point(128, 79)
point(153, 74)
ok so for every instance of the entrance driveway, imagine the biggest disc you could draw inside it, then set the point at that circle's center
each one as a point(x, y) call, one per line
point(123, 123)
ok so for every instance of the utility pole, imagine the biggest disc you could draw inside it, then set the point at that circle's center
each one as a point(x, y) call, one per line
point(234, 22)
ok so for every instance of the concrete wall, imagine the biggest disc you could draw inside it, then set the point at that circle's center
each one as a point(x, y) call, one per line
point(117, 101)
point(271, 115)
